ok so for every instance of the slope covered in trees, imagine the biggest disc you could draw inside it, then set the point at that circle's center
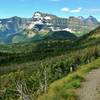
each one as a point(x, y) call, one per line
point(27, 73)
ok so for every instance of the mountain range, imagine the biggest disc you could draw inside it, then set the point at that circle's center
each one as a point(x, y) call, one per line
point(42, 25)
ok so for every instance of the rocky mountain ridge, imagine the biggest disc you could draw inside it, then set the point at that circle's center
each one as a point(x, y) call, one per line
point(76, 24)
point(44, 23)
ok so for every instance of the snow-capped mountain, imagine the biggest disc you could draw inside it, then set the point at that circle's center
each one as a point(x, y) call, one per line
point(42, 20)
point(42, 24)
point(71, 24)
point(39, 21)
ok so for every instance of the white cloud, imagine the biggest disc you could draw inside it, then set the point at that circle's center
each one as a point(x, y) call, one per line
point(76, 10)
point(65, 9)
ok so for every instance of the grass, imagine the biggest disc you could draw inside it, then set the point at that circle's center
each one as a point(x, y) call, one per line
point(64, 89)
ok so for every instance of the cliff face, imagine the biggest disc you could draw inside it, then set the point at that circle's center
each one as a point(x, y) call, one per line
point(79, 25)
point(76, 24)
point(12, 25)
point(43, 22)
point(82, 25)
point(54, 20)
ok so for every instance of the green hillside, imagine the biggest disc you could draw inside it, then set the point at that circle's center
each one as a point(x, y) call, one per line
point(30, 68)
point(64, 89)
point(94, 35)
point(32, 35)
point(60, 35)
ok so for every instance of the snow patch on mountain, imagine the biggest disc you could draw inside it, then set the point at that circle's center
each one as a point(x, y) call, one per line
point(9, 21)
point(43, 20)
point(47, 18)
point(69, 30)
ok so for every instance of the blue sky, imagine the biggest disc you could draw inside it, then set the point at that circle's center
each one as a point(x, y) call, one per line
point(62, 8)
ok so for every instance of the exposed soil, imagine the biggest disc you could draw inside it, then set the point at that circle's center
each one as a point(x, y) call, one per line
point(90, 89)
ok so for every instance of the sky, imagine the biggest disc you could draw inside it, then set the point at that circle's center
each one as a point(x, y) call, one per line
point(61, 8)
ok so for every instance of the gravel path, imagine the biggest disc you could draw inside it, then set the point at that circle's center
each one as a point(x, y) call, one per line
point(90, 89)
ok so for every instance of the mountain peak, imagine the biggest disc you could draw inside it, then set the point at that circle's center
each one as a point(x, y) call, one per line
point(44, 23)
point(90, 16)
point(15, 17)
point(92, 19)
point(81, 17)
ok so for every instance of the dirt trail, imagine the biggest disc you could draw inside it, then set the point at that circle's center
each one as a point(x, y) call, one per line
point(90, 89)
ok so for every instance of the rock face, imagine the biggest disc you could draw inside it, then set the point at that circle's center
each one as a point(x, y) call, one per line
point(78, 25)
point(43, 20)
point(82, 25)
point(13, 25)
point(44, 23)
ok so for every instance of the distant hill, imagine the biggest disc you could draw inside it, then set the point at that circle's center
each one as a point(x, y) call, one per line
point(60, 35)
point(89, 39)
point(94, 34)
